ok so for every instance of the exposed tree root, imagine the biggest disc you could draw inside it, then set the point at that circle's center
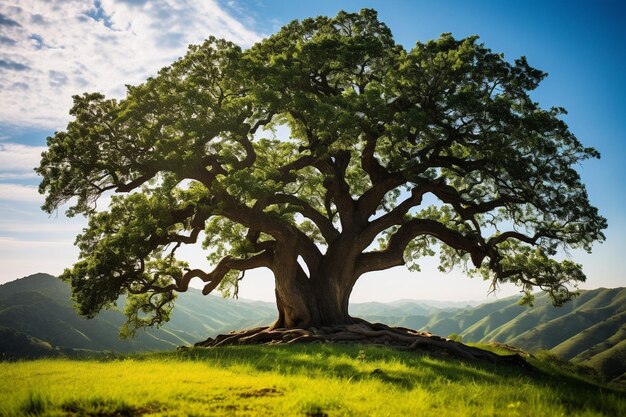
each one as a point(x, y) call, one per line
point(367, 333)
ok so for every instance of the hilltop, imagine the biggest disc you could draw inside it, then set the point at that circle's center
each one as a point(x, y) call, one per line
point(37, 319)
point(313, 380)
point(590, 330)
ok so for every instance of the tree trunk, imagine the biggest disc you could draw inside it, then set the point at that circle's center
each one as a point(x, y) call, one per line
point(310, 303)
point(318, 300)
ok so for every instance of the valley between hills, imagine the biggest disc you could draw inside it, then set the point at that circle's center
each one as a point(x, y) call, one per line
point(37, 319)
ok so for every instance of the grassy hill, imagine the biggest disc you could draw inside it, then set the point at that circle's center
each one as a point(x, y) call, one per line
point(301, 380)
point(590, 331)
point(39, 306)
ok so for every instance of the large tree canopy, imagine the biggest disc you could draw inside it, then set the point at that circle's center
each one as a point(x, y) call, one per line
point(392, 155)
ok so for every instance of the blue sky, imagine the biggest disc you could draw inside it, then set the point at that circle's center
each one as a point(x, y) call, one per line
point(50, 50)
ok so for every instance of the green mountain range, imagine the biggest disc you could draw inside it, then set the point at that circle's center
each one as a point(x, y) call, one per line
point(37, 318)
point(38, 308)
point(590, 330)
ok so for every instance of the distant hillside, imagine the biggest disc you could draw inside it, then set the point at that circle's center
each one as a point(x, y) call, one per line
point(590, 330)
point(413, 314)
point(39, 307)
point(37, 318)
point(15, 344)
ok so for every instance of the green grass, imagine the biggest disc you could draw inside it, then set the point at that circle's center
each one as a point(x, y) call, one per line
point(305, 380)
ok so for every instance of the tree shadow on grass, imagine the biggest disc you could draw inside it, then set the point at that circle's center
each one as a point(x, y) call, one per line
point(405, 370)
point(36, 404)
point(353, 363)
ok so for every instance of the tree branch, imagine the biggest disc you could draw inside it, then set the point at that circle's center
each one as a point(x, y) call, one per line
point(254, 218)
point(369, 163)
point(515, 235)
point(369, 202)
point(302, 162)
point(394, 254)
point(466, 208)
point(228, 263)
point(322, 222)
point(248, 161)
point(393, 217)
point(124, 188)
point(334, 169)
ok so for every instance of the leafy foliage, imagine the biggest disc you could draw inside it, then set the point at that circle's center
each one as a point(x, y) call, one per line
point(374, 130)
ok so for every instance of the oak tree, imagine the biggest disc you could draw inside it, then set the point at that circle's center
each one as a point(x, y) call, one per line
point(391, 155)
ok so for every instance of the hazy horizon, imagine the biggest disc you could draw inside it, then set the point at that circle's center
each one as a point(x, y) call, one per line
point(460, 302)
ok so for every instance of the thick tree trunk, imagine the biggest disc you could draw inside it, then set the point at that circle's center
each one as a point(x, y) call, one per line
point(311, 302)
point(315, 301)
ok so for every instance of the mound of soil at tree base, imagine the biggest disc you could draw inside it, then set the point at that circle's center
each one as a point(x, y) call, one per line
point(367, 333)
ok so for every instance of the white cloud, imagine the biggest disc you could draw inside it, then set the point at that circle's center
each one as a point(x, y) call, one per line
point(18, 161)
point(51, 50)
point(20, 193)
point(12, 243)
point(17, 175)
point(48, 227)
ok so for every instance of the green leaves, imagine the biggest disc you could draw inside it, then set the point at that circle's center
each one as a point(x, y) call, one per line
point(533, 268)
point(165, 124)
point(439, 143)
point(77, 159)
point(146, 310)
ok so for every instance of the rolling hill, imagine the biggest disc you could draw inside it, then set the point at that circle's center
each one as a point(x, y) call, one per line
point(37, 318)
point(39, 307)
point(590, 330)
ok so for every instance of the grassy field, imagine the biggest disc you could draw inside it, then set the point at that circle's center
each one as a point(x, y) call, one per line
point(306, 380)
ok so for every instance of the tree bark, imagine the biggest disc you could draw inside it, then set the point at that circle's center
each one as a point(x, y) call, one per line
point(307, 302)
point(321, 299)
point(315, 301)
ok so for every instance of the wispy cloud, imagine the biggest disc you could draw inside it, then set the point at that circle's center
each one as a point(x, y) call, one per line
point(20, 193)
point(54, 49)
point(4, 176)
point(5, 21)
point(49, 227)
point(12, 243)
point(18, 161)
